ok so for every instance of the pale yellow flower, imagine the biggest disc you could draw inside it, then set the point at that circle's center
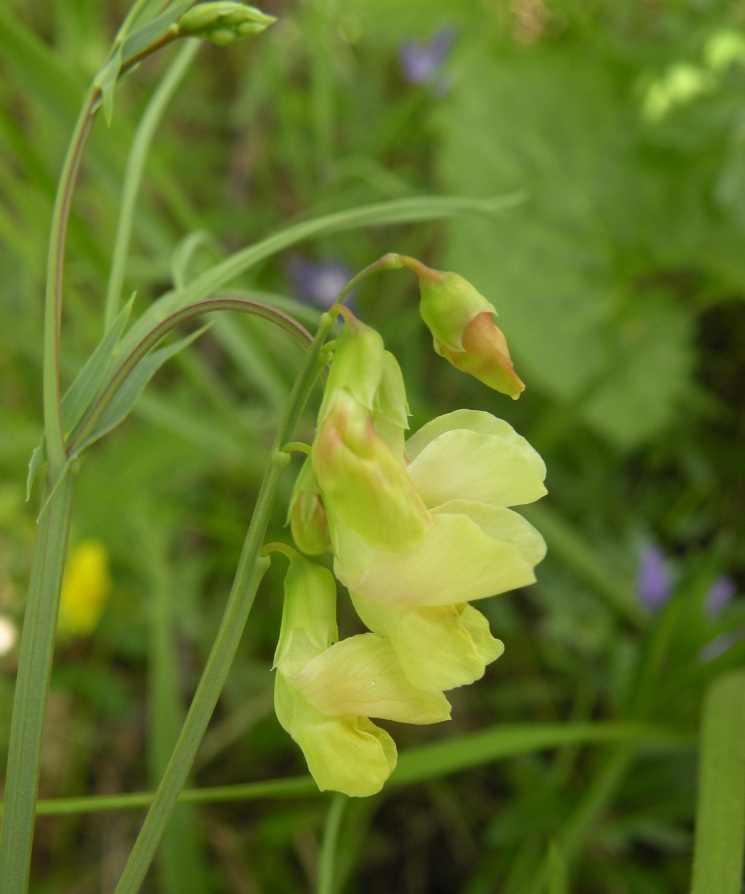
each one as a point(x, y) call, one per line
point(325, 691)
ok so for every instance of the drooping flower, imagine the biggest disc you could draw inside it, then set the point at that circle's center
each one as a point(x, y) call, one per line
point(364, 484)
point(307, 515)
point(462, 324)
point(85, 588)
point(418, 528)
point(326, 691)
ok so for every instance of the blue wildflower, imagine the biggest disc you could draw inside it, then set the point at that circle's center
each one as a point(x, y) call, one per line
point(422, 63)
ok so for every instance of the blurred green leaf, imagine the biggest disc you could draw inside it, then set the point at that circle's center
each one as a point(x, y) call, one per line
point(567, 270)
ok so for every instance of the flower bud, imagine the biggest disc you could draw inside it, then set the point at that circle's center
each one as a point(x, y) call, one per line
point(357, 366)
point(223, 23)
point(364, 485)
point(462, 324)
point(391, 410)
point(307, 516)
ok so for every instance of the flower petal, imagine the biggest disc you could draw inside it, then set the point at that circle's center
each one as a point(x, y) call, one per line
point(344, 754)
point(471, 551)
point(362, 675)
point(472, 455)
point(439, 647)
point(364, 485)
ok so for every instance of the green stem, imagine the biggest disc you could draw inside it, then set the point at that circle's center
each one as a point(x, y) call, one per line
point(328, 860)
point(159, 332)
point(53, 428)
point(32, 683)
point(251, 568)
point(133, 176)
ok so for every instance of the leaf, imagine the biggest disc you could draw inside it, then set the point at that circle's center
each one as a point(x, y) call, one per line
point(557, 871)
point(38, 459)
point(140, 39)
point(106, 80)
point(183, 255)
point(91, 377)
point(720, 814)
point(81, 394)
point(127, 395)
point(476, 749)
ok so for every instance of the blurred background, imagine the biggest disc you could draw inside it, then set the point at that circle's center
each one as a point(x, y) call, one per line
point(619, 277)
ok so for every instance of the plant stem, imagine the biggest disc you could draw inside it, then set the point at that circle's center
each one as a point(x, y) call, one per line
point(251, 568)
point(32, 683)
point(328, 861)
point(54, 434)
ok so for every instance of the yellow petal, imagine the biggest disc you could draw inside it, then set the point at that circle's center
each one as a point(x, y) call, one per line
point(471, 551)
point(344, 754)
point(362, 675)
point(364, 486)
point(439, 647)
point(472, 455)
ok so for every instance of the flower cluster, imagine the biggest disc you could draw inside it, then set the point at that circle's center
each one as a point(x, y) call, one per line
point(418, 527)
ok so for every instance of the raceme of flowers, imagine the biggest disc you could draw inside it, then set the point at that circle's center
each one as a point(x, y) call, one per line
point(419, 527)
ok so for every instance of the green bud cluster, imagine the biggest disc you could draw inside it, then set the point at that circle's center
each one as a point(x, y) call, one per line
point(224, 23)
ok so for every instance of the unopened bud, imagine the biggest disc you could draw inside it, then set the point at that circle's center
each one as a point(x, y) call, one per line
point(308, 521)
point(223, 23)
point(462, 324)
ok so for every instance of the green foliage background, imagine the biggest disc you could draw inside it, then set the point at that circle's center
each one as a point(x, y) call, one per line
point(619, 280)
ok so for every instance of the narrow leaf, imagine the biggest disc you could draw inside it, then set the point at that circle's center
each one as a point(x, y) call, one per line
point(106, 82)
point(38, 458)
point(91, 377)
point(81, 393)
point(720, 814)
point(126, 397)
point(451, 756)
point(557, 871)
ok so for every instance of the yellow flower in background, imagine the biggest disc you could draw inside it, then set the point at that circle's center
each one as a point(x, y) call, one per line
point(85, 588)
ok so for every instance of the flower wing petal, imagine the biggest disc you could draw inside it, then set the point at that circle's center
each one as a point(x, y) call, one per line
point(471, 551)
point(362, 675)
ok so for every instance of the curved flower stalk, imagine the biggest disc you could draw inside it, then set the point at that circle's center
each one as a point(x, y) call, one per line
point(326, 691)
